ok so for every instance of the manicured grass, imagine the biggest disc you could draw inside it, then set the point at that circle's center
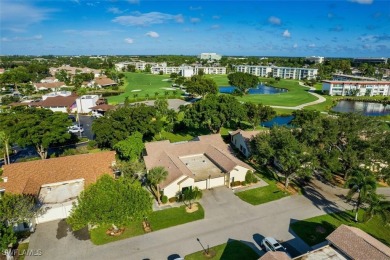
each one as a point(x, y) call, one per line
point(262, 195)
point(314, 230)
point(147, 83)
point(158, 220)
point(221, 80)
point(22, 250)
point(231, 250)
point(173, 137)
point(295, 96)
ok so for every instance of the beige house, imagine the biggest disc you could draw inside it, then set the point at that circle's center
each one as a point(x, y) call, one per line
point(205, 162)
point(241, 140)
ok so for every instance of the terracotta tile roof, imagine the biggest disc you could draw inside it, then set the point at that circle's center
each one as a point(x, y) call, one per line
point(105, 81)
point(166, 154)
point(270, 255)
point(50, 85)
point(357, 244)
point(102, 107)
point(58, 101)
point(28, 177)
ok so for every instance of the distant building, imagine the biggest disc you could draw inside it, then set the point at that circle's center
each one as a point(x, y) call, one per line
point(282, 72)
point(357, 88)
point(139, 65)
point(315, 59)
point(209, 56)
point(358, 61)
point(187, 71)
point(54, 86)
point(85, 103)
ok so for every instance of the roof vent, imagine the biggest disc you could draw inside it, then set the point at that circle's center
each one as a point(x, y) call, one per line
point(5, 179)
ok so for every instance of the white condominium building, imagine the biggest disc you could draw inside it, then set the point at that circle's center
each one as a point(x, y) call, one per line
point(211, 70)
point(357, 88)
point(315, 59)
point(139, 65)
point(209, 56)
point(187, 71)
point(282, 72)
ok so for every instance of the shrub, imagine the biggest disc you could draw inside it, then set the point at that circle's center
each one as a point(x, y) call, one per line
point(164, 199)
point(92, 144)
point(243, 183)
point(173, 199)
point(235, 183)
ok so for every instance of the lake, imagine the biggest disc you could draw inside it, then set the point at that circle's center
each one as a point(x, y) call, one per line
point(365, 108)
point(278, 121)
point(261, 89)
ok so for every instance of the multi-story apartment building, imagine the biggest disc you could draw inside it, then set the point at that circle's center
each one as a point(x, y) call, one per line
point(358, 61)
point(211, 70)
point(187, 71)
point(343, 77)
point(282, 72)
point(209, 56)
point(356, 88)
point(139, 65)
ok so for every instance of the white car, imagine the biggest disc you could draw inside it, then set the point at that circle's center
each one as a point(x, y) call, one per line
point(75, 129)
point(270, 244)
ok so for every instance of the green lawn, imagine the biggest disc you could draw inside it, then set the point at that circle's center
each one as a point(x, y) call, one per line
point(22, 249)
point(231, 250)
point(173, 137)
point(221, 80)
point(158, 220)
point(295, 96)
point(147, 84)
point(315, 230)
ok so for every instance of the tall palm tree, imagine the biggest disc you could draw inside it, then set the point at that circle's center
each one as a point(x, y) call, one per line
point(361, 182)
point(377, 205)
point(155, 176)
point(4, 142)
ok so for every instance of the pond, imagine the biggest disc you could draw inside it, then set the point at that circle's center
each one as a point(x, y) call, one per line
point(278, 121)
point(366, 108)
point(261, 89)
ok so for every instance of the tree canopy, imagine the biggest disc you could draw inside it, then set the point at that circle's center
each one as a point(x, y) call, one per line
point(110, 201)
point(243, 81)
point(40, 128)
point(199, 85)
point(131, 148)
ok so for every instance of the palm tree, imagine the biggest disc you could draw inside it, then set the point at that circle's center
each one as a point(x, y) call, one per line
point(362, 182)
point(4, 142)
point(155, 176)
point(377, 205)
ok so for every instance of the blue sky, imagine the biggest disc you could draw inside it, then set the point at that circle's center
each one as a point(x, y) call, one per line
point(342, 28)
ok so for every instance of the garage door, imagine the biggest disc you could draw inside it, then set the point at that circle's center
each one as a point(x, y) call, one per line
point(54, 213)
point(216, 182)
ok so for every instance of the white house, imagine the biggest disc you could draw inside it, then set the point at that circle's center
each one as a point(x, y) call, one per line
point(53, 86)
point(57, 182)
point(56, 94)
point(205, 162)
point(315, 59)
point(85, 103)
point(358, 88)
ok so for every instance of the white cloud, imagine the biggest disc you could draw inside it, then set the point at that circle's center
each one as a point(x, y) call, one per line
point(129, 40)
point(274, 20)
point(152, 34)
point(216, 17)
point(215, 27)
point(140, 19)
point(195, 20)
point(286, 34)
point(295, 46)
point(114, 10)
point(311, 45)
point(19, 15)
point(363, 2)
point(21, 39)
point(195, 8)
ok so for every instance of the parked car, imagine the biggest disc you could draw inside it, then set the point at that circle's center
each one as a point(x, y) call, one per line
point(75, 129)
point(270, 244)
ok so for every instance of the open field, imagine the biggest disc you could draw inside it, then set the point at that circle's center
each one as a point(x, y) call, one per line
point(142, 84)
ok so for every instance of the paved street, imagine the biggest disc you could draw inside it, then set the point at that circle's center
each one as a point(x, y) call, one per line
point(227, 217)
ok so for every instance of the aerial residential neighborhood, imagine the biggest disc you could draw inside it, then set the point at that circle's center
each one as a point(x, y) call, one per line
point(195, 130)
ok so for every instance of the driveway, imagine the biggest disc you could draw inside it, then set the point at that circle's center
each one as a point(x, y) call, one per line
point(227, 217)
